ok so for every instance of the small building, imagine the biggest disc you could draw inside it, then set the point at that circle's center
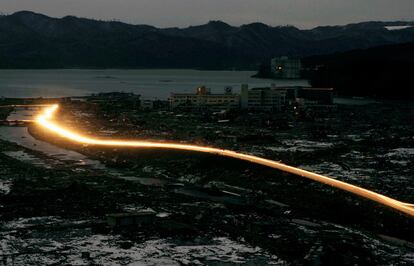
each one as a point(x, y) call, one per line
point(290, 91)
point(147, 104)
point(119, 99)
point(286, 68)
point(264, 99)
point(203, 98)
point(129, 219)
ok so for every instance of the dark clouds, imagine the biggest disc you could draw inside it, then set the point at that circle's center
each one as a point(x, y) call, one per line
point(302, 13)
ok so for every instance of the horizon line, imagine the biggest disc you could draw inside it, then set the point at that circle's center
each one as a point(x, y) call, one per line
point(2, 14)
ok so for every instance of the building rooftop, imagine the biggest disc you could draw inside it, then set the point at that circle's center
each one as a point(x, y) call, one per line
point(318, 89)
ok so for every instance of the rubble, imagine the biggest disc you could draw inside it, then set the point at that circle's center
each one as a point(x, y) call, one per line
point(207, 209)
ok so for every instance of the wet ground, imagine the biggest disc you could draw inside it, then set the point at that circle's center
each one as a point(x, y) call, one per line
point(21, 136)
point(210, 210)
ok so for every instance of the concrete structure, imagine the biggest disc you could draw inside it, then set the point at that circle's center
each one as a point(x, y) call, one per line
point(290, 91)
point(321, 96)
point(256, 99)
point(203, 98)
point(286, 68)
point(265, 99)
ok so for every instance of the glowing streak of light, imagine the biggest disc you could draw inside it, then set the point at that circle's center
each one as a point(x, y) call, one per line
point(45, 120)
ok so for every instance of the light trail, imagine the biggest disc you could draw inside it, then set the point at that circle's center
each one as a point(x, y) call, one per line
point(45, 120)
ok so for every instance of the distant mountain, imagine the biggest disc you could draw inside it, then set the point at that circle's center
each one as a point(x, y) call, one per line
point(383, 72)
point(30, 40)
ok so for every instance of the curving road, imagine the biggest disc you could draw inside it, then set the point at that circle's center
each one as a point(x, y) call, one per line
point(45, 120)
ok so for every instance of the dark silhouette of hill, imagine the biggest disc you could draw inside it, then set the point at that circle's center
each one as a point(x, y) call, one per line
point(30, 40)
point(383, 72)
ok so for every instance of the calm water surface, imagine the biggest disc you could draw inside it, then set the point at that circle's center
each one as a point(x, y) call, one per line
point(148, 83)
point(22, 137)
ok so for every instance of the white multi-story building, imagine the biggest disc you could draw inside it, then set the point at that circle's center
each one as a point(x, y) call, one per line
point(260, 99)
point(266, 99)
point(203, 98)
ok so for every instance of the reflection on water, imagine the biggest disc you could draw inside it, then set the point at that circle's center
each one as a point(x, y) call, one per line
point(22, 114)
point(21, 137)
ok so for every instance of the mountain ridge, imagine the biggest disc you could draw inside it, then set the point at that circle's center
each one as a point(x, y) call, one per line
point(32, 40)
